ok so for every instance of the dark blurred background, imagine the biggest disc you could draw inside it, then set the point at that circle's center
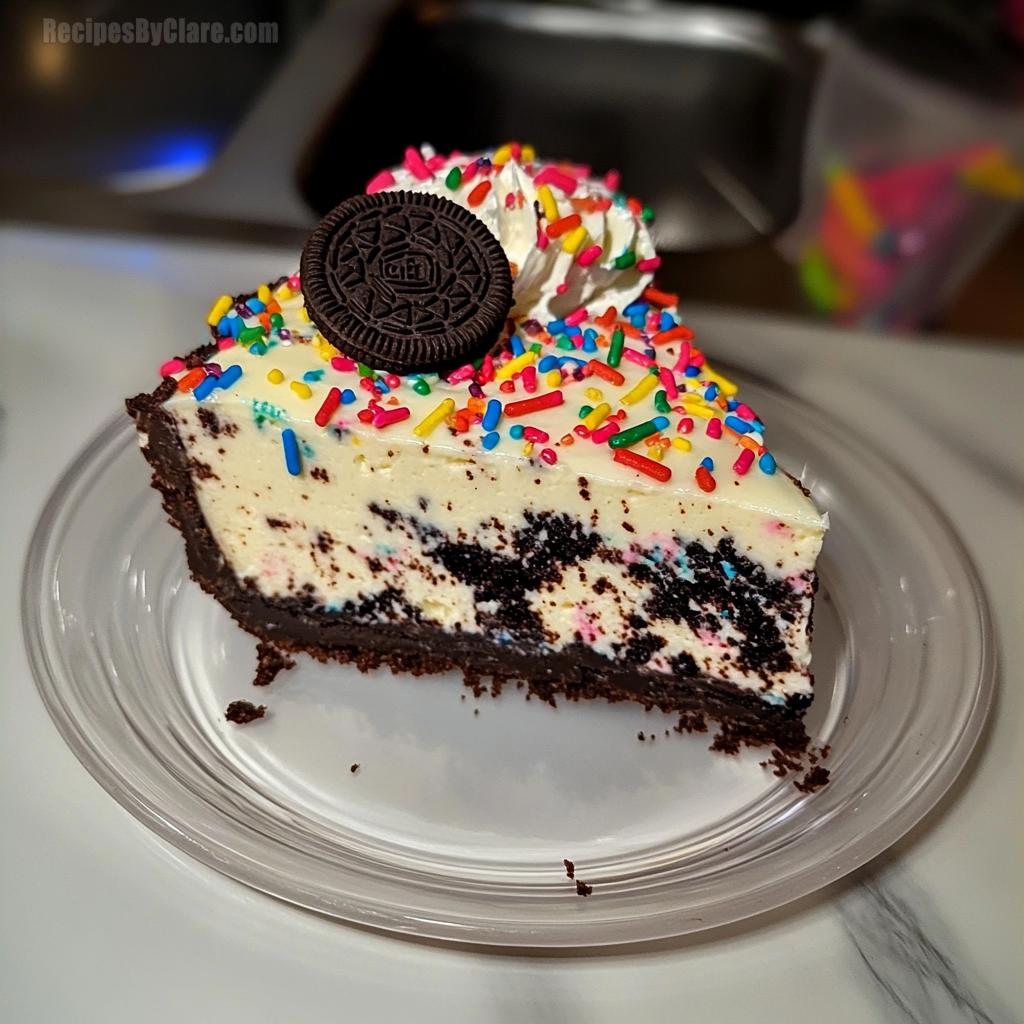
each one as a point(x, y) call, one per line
point(703, 109)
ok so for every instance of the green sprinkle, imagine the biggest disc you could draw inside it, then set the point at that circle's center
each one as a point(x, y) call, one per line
point(421, 387)
point(247, 335)
point(626, 438)
point(615, 351)
point(535, 347)
point(647, 215)
point(365, 371)
point(585, 411)
point(563, 341)
point(454, 178)
point(661, 403)
point(627, 259)
point(276, 320)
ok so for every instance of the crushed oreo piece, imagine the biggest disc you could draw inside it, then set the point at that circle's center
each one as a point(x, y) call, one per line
point(241, 712)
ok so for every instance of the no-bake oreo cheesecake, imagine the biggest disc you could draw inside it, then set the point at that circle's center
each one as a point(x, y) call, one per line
point(472, 434)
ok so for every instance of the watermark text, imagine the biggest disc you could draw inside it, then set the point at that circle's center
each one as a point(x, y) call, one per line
point(169, 31)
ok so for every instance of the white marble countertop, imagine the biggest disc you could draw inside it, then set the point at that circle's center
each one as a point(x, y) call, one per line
point(104, 922)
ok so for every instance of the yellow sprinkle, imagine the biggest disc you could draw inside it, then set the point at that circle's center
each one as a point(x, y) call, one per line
point(597, 416)
point(528, 154)
point(502, 155)
point(263, 293)
point(647, 384)
point(430, 422)
point(275, 376)
point(681, 444)
point(727, 387)
point(553, 378)
point(284, 292)
point(593, 394)
point(853, 204)
point(220, 307)
point(699, 410)
point(328, 352)
point(547, 202)
point(655, 453)
point(302, 390)
point(515, 365)
point(574, 239)
point(304, 315)
point(528, 448)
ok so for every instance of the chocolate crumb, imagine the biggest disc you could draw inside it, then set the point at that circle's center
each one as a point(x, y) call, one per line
point(813, 780)
point(582, 889)
point(354, 768)
point(270, 662)
point(641, 737)
point(241, 712)
point(570, 868)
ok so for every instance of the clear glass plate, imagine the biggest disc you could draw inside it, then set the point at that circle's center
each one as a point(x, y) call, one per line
point(457, 821)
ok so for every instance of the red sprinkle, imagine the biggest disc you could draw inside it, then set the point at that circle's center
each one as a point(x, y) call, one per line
point(685, 425)
point(660, 298)
point(479, 194)
point(581, 431)
point(553, 176)
point(677, 333)
point(530, 378)
point(576, 318)
point(714, 428)
point(638, 357)
point(172, 366)
point(546, 401)
point(378, 182)
point(559, 227)
point(344, 365)
point(331, 403)
point(549, 456)
point(651, 264)
point(705, 481)
point(387, 416)
point(668, 382)
point(684, 358)
point(393, 381)
point(606, 318)
point(642, 464)
point(599, 436)
point(365, 415)
point(744, 462)
point(606, 372)
point(535, 435)
point(225, 343)
point(192, 379)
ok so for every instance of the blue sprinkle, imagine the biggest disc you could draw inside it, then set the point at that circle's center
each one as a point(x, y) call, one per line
point(590, 334)
point(735, 423)
point(637, 321)
point(732, 404)
point(255, 305)
point(729, 570)
point(556, 327)
point(547, 363)
point(235, 325)
point(650, 353)
point(224, 327)
point(711, 393)
point(491, 439)
point(773, 698)
point(257, 348)
point(668, 321)
point(708, 463)
point(691, 371)
point(564, 360)
point(619, 199)
point(757, 425)
point(205, 388)
point(291, 451)
point(517, 345)
point(661, 422)
point(492, 417)
point(378, 382)
point(229, 376)
point(636, 307)
point(767, 464)
point(312, 376)
point(516, 432)
point(573, 332)
point(589, 344)
point(348, 396)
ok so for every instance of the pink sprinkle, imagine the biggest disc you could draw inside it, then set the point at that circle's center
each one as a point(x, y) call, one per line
point(589, 255)
point(668, 382)
point(549, 456)
point(685, 425)
point(486, 374)
point(602, 434)
point(461, 374)
point(653, 321)
point(684, 357)
point(436, 162)
point(172, 366)
point(562, 288)
point(576, 318)
point(644, 266)
point(637, 357)
point(580, 431)
point(745, 412)
point(697, 359)
point(510, 200)
point(469, 171)
point(383, 417)
point(344, 365)
point(225, 343)
point(378, 183)
point(612, 181)
point(414, 164)
point(542, 239)
point(714, 427)
point(529, 378)
point(553, 176)
point(294, 283)
point(393, 381)
point(577, 340)
point(537, 436)
point(744, 462)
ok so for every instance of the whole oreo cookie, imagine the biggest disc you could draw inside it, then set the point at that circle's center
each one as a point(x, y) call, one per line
point(406, 281)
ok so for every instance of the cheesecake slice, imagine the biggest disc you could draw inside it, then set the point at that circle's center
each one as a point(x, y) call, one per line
point(588, 507)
